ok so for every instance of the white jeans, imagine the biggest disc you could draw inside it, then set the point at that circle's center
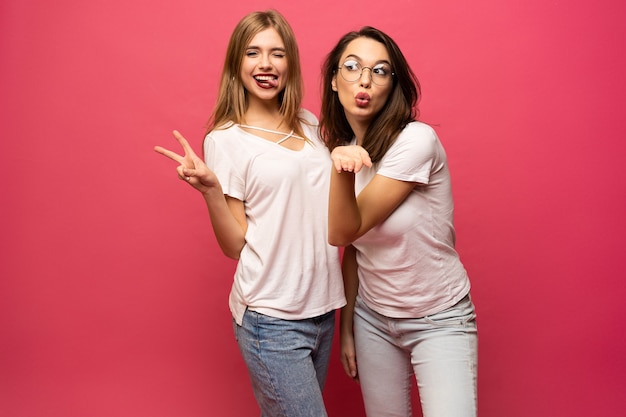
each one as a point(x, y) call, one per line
point(440, 350)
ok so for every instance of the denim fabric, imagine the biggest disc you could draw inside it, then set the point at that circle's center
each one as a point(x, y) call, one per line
point(287, 361)
point(440, 350)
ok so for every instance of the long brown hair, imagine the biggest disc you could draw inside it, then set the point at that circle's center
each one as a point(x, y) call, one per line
point(232, 100)
point(399, 110)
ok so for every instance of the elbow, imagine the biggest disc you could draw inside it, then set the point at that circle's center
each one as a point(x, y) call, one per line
point(342, 232)
point(234, 256)
point(232, 253)
point(336, 240)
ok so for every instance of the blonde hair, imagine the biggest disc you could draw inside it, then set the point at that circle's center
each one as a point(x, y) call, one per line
point(232, 100)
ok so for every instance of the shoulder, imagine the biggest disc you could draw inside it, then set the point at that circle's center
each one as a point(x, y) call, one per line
point(307, 117)
point(417, 136)
point(417, 142)
point(310, 126)
point(224, 139)
point(221, 132)
point(224, 127)
point(418, 130)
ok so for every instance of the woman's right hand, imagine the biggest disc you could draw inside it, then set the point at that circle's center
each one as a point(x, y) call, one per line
point(191, 169)
point(348, 353)
point(350, 158)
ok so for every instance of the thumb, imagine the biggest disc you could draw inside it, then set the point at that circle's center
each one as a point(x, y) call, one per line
point(189, 172)
point(367, 161)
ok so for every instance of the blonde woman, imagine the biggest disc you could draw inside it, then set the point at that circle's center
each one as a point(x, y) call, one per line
point(266, 191)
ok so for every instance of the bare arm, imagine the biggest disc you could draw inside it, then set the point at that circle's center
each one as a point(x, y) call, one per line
point(227, 214)
point(229, 222)
point(349, 216)
point(351, 287)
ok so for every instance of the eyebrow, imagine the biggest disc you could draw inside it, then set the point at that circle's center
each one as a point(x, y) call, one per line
point(358, 58)
point(272, 49)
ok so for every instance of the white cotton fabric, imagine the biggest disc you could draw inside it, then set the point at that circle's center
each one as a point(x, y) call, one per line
point(286, 269)
point(408, 266)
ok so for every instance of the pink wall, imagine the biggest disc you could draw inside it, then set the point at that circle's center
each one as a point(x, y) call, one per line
point(113, 294)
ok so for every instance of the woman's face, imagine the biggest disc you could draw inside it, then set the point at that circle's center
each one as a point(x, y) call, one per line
point(364, 81)
point(264, 66)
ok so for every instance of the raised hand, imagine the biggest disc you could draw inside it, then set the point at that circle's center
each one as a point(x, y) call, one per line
point(191, 169)
point(350, 158)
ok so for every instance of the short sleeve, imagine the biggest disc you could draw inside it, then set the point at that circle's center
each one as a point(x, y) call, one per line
point(308, 117)
point(220, 161)
point(412, 156)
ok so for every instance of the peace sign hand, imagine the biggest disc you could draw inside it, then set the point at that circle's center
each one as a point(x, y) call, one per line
point(191, 169)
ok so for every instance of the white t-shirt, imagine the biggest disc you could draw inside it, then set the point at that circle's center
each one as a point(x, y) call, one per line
point(408, 266)
point(286, 269)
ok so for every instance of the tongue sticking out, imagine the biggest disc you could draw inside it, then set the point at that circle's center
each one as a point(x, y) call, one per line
point(267, 82)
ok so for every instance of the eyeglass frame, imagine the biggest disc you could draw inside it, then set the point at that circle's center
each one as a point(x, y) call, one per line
point(392, 74)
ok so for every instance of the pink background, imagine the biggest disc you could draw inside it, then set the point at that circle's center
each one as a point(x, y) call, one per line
point(113, 293)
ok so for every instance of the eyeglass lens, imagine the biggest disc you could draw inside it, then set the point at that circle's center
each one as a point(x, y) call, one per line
point(352, 71)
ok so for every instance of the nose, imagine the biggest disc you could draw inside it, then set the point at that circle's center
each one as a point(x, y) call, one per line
point(365, 79)
point(266, 61)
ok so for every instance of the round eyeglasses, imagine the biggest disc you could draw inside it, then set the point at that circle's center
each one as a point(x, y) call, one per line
point(380, 74)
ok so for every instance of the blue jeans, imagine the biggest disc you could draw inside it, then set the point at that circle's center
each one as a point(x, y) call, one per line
point(287, 361)
point(440, 350)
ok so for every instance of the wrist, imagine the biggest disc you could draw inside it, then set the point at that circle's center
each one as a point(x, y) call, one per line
point(211, 193)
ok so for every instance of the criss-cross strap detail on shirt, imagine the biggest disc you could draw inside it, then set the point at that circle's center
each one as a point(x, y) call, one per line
point(281, 140)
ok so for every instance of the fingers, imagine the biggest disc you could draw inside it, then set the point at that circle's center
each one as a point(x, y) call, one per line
point(357, 166)
point(338, 165)
point(183, 142)
point(182, 173)
point(346, 366)
point(187, 174)
point(350, 158)
point(349, 165)
point(365, 158)
point(189, 159)
point(352, 366)
point(349, 365)
point(180, 138)
point(172, 155)
point(345, 164)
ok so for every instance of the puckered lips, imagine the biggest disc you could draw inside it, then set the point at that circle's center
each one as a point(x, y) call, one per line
point(266, 80)
point(362, 99)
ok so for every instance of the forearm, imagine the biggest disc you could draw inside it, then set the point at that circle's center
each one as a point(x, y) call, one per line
point(351, 287)
point(344, 219)
point(228, 225)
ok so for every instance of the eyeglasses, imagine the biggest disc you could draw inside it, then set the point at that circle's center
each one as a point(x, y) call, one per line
point(352, 71)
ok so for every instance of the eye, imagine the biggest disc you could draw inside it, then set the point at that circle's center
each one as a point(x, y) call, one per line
point(352, 66)
point(252, 53)
point(381, 70)
point(279, 54)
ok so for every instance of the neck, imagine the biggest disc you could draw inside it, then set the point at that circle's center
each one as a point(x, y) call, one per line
point(264, 114)
point(359, 130)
